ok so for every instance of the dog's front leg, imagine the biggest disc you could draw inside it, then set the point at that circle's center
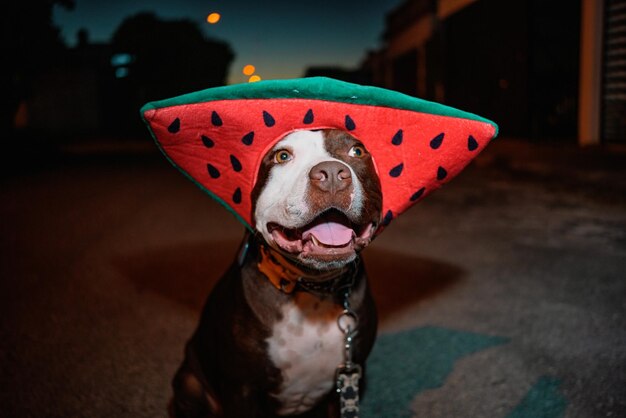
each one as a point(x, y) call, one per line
point(191, 399)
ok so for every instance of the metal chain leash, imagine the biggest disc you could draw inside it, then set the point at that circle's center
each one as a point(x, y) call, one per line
point(348, 374)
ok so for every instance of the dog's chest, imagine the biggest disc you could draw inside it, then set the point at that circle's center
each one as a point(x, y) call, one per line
point(306, 346)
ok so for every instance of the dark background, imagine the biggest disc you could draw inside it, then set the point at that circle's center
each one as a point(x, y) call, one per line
point(516, 63)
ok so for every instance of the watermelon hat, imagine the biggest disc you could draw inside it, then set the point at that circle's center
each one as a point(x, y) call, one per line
point(218, 137)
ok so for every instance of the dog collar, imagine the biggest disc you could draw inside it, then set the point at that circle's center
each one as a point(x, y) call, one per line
point(218, 137)
point(288, 278)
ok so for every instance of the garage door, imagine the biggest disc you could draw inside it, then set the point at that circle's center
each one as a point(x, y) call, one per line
point(614, 69)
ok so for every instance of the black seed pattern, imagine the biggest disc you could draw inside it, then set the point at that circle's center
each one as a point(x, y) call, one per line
point(350, 125)
point(235, 163)
point(208, 142)
point(418, 194)
point(248, 138)
point(174, 126)
point(237, 196)
point(215, 119)
point(436, 141)
point(213, 172)
point(309, 117)
point(472, 144)
point(441, 173)
point(268, 119)
point(388, 218)
point(397, 170)
point(397, 138)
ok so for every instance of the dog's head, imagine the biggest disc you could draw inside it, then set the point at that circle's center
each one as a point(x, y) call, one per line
point(317, 198)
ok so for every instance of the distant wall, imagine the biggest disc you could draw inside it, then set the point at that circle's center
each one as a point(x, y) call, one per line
point(513, 61)
point(447, 7)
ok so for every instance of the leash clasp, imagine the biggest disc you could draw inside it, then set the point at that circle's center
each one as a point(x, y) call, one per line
point(348, 374)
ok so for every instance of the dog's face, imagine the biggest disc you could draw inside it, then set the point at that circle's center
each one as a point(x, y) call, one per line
point(317, 198)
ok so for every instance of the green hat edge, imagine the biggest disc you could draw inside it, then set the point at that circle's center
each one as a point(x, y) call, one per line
point(317, 88)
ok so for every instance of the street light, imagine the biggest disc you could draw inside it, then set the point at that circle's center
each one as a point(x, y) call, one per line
point(249, 69)
point(213, 18)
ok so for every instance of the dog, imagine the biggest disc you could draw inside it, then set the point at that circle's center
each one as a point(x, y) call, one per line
point(270, 337)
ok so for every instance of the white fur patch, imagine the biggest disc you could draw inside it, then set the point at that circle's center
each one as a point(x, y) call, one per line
point(307, 346)
point(283, 199)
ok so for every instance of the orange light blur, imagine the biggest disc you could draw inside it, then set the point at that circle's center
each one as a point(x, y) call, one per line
point(249, 69)
point(254, 79)
point(213, 18)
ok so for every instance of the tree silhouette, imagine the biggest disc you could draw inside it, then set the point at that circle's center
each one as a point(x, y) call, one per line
point(170, 57)
point(165, 59)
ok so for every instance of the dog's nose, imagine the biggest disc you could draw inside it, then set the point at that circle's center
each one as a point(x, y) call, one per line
point(330, 176)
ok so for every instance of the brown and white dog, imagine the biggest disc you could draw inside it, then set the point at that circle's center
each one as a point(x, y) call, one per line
point(268, 343)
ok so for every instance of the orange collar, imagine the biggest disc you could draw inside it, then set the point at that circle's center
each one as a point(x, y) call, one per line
point(286, 277)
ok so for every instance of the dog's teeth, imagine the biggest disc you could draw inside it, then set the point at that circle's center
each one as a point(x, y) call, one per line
point(315, 241)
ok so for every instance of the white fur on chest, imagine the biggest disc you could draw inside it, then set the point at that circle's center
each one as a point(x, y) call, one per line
point(307, 346)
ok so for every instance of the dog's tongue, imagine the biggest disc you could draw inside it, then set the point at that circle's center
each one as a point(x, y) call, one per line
point(330, 233)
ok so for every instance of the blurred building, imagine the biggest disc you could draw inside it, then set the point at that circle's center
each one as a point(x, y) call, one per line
point(97, 89)
point(70, 98)
point(541, 69)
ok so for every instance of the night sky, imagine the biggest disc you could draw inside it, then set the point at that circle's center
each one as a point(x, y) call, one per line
point(281, 38)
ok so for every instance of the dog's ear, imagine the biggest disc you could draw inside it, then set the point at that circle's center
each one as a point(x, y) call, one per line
point(218, 137)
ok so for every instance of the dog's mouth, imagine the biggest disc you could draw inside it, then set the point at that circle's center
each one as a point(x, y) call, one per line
point(330, 236)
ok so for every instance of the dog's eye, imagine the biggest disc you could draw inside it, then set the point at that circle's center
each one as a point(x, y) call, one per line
point(357, 151)
point(282, 156)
